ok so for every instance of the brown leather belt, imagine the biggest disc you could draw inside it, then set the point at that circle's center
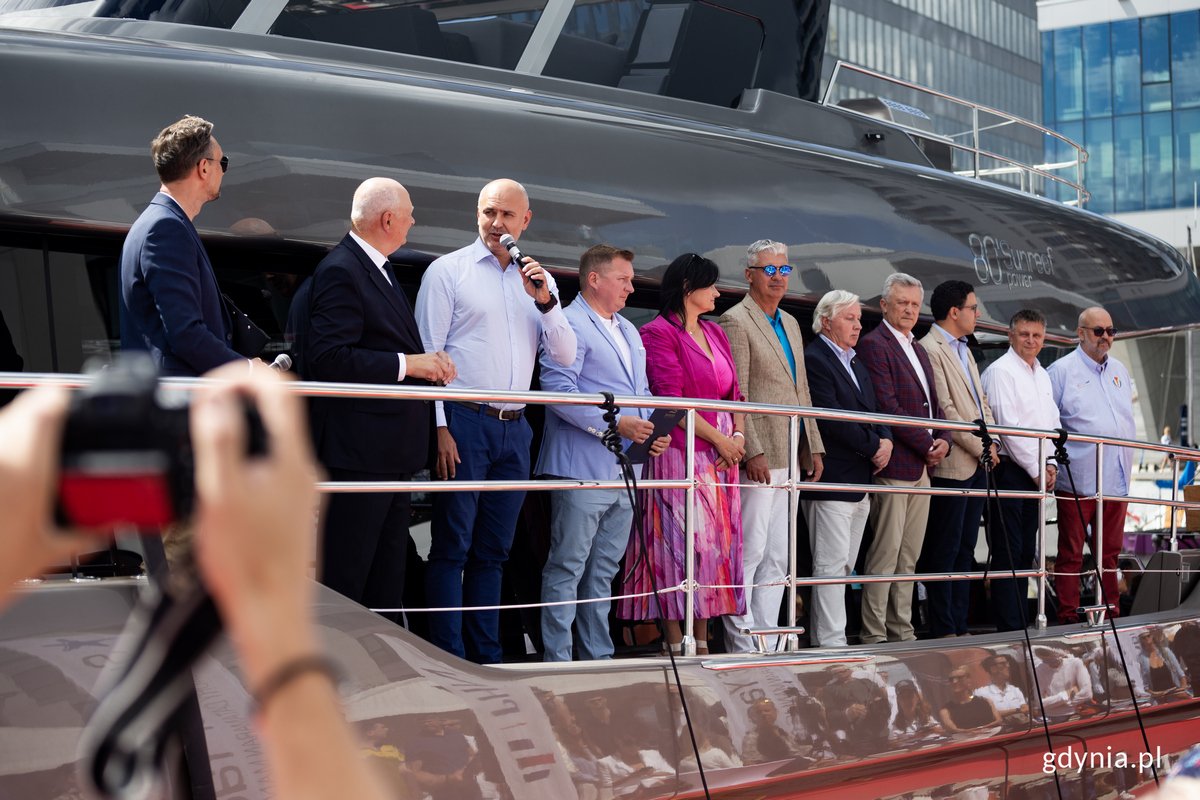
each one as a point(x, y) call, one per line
point(504, 415)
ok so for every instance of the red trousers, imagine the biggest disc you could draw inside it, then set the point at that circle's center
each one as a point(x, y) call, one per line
point(1071, 536)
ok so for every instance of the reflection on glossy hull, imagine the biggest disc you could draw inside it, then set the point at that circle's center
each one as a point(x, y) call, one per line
point(874, 722)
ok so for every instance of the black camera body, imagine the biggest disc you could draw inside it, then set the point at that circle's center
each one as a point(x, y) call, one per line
point(126, 458)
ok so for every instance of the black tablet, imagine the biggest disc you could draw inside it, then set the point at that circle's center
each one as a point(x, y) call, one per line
point(664, 420)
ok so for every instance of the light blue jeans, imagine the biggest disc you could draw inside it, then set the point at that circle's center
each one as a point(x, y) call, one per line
point(588, 534)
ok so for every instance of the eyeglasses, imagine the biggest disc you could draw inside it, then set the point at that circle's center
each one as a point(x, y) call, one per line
point(973, 308)
point(771, 269)
point(1098, 331)
point(223, 161)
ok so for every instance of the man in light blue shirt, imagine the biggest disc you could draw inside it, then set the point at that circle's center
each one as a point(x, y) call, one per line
point(589, 530)
point(490, 315)
point(1094, 395)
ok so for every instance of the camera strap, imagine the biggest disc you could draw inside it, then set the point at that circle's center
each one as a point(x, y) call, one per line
point(143, 693)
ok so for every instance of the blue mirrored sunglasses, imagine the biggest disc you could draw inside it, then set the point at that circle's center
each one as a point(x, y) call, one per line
point(771, 269)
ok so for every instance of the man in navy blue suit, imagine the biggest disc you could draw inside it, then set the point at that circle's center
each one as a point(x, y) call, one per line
point(360, 329)
point(854, 451)
point(170, 303)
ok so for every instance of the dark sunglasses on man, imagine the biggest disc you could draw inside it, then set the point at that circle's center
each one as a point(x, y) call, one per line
point(1098, 331)
point(771, 269)
point(223, 161)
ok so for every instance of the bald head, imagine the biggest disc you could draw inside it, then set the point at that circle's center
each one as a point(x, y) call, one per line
point(503, 208)
point(382, 213)
point(1095, 345)
point(1089, 316)
point(504, 186)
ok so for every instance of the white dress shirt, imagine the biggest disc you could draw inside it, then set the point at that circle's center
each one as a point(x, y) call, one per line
point(845, 356)
point(612, 326)
point(481, 315)
point(379, 259)
point(1021, 397)
point(1010, 698)
point(906, 341)
point(1066, 686)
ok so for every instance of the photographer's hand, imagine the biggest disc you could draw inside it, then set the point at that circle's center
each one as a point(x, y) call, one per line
point(253, 523)
point(31, 428)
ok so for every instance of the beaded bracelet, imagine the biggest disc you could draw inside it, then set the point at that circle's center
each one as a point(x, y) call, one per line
point(287, 673)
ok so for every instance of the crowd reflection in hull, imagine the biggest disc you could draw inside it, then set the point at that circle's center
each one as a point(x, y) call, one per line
point(882, 722)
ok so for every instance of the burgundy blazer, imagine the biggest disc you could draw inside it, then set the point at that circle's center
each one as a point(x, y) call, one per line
point(677, 367)
point(898, 391)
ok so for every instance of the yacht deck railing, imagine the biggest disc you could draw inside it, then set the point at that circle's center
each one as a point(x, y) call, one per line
point(794, 485)
point(972, 148)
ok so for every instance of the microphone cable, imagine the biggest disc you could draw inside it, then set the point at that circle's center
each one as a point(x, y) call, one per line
point(612, 441)
point(985, 461)
point(1061, 456)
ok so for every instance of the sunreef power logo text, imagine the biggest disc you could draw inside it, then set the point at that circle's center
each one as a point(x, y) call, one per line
point(998, 264)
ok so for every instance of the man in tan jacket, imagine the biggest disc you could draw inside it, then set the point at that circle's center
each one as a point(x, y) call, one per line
point(954, 520)
point(768, 353)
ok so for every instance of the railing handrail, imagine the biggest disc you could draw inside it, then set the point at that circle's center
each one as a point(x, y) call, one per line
point(692, 405)
point(23, 380)
point(1081, 154)
point(840, 64)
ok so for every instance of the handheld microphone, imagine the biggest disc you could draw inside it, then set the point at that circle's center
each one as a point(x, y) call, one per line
point(510, 244)
point(282, 362)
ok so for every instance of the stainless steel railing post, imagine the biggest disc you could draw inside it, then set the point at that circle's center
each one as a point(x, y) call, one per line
point(689, 536)
point(975, 140)
point(1041, 595)
point(1172, 509)
point(793, 507)
point(1098, 524)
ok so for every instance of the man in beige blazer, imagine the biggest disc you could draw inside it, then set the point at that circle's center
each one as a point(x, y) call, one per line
point(768, 353)
point(954, 521)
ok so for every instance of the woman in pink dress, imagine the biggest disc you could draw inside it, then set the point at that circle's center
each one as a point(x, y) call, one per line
point(690, 357)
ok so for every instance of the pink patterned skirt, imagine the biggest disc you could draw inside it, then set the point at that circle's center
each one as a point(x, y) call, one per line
point(660, 559)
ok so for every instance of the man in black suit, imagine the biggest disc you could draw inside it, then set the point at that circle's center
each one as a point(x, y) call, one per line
point(854, 451)
point(360, 329)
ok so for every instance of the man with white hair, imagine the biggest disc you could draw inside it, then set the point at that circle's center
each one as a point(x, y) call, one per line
point(360, 329)
point(768, 354)
point(491, 314)
point(905, 386)
point(854, 451)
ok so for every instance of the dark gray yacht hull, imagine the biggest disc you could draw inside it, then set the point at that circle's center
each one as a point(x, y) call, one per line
point(303, 122)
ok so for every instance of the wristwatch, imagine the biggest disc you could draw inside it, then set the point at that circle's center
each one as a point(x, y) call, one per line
point(546, 306)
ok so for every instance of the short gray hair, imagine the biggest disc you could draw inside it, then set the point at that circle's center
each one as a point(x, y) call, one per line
point(763, 246)
point(900, 279)
point(833, 303)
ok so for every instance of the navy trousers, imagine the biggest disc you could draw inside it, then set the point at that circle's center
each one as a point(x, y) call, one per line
point(1013, 533)
point(950, 547)
point(473, 531)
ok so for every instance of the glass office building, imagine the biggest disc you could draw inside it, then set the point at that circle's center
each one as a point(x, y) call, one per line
point(1129, 91)
point(1123, 79)
point(985, 51)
